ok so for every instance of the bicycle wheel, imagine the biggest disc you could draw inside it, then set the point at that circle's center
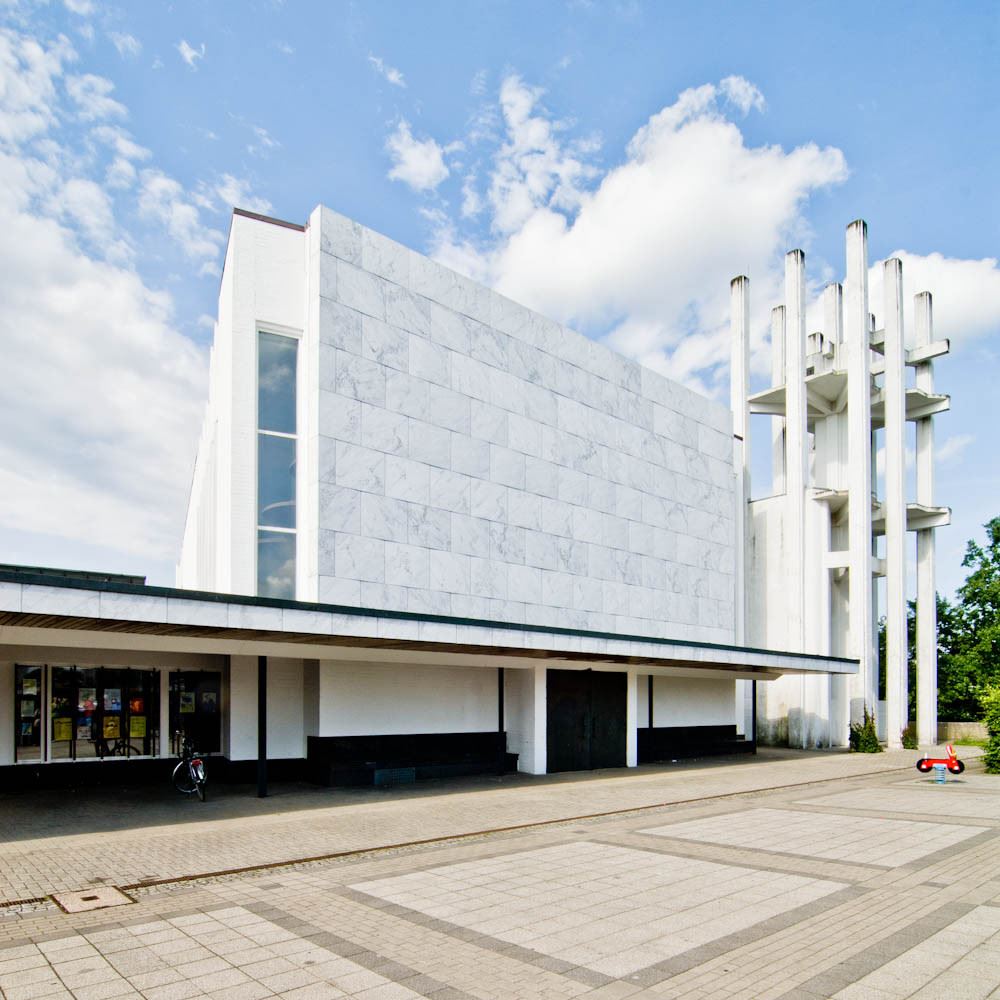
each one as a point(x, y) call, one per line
point(184, 779)
point(200, 786)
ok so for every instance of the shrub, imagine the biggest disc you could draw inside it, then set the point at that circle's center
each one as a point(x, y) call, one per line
point(991, 706)
point(863, 736)
point(909, 737)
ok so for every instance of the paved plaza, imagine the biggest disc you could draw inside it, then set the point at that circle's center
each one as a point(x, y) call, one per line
point(792, 875)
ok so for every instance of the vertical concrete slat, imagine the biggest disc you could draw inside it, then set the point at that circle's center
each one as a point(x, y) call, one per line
point(895, 505)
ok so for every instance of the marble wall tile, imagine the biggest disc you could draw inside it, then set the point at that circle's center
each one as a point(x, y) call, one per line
point(507, 467)
point(361, 290)
point(541, 549)
point(470, 535)
point(340, 236)
point(360, 558)
point(384, 257)
point(450, 329)
point(429, 444)
point(387, 345)
point(406, 565)
point(557, 517)
point(339, 326)
point(326, 561)
point(429, 361)
point(526, 583)
point(408, 395)
point(340, 508)
point(360, 468)
point(427, 602)
point(489, 346)
point(406, 479)
point(359, 378)
point(449, 572)
point(574, 486)
point(488, 578)
point(339, 417)
point(389, 598)
point(489, 422)
point(326, 459)
point(450, 409)
point(524, 509)
point(333, 590)
point(587, 524)
point(408, 311)
point(470, 456)
point(507, 543)
point(489, 500)
point(541, 477)
point(428, 526)
point(471, 377)
point(10, 597)
point(250, 616)
point(383, 517)
point(450, 491)
point(383, 430)
point(133, 607)
point(572, 556)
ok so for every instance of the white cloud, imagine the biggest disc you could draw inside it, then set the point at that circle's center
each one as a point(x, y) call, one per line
point(92, 95)
point(953, 447)
point(84, 8)
point(263, 141)
point(128, 46)
point(966, 294)
point(417, 163)
point(162, 199)
point(189, 53)
point(392, 75)
point(235, 193)
point(643, 252)
point(121, 142)
point(106, 396)
point(284, 48)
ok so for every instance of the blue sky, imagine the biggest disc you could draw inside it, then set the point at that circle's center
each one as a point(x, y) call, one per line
point(612, 164)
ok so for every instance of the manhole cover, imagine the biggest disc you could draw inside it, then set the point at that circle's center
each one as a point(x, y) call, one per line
point(95, 898)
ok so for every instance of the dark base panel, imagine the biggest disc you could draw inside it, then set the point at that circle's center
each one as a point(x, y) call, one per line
point(138, 773)
point(398, 759)
point(679, 742)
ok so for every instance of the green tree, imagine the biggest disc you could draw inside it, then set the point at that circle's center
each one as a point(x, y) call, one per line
point(969, 633)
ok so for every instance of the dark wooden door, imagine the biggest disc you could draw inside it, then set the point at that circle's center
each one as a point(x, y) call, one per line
point(585, 720)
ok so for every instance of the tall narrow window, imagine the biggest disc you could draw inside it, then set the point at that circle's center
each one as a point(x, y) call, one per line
point(276, 446)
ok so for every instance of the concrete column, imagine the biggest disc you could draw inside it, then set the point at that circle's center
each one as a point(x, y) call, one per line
point(739, 393)
point(895, 506)
point(778, 378)
point(864, 686)
point(7, 709)
point(926, 590)
point(166, 737)
point(539, 722)
point(796, 445)
point(632, 719)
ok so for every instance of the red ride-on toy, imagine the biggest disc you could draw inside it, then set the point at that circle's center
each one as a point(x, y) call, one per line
point(951, 762)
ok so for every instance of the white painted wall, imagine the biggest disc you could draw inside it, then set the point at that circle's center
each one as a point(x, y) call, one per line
point(285, 708)
point(368, 699)
point(525, 705)
point(690, 701)
point(242, 715)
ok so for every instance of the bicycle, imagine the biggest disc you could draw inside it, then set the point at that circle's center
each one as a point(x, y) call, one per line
point(189, 774)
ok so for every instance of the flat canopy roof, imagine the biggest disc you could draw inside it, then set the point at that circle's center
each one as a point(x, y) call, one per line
point(62, 611)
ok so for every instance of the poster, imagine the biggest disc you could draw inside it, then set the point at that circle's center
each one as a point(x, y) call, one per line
point(112, 727)
point(187, 702)
point(209, 701)
point(137, 726)
point(87, 700)
point(84, 730)
point(112, 699)
point(135, 705)
point(29, 685)
point(62, 729)
point(28, 707)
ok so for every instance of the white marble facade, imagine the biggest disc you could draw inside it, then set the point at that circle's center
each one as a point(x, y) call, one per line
point(463, 455)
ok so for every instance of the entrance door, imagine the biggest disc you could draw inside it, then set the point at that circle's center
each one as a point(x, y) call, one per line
point(585, 719)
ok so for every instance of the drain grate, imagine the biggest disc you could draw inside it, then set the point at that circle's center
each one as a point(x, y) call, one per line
point(94, 898)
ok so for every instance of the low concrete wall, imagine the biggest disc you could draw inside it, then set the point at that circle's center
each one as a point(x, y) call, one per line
point(960, 731)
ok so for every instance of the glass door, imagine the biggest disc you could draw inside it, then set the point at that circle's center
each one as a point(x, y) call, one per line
point(29, 703)
point(196, 709)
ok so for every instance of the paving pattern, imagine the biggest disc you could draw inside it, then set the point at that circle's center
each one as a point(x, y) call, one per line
point(888, 842)
point(781, 894)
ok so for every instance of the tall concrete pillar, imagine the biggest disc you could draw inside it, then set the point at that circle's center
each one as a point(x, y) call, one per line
point(896, 647)
point(739, 393)
point(864, 687)
point(632, 718)
point(778, 378)
point(926, 592)
point(796, 472)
